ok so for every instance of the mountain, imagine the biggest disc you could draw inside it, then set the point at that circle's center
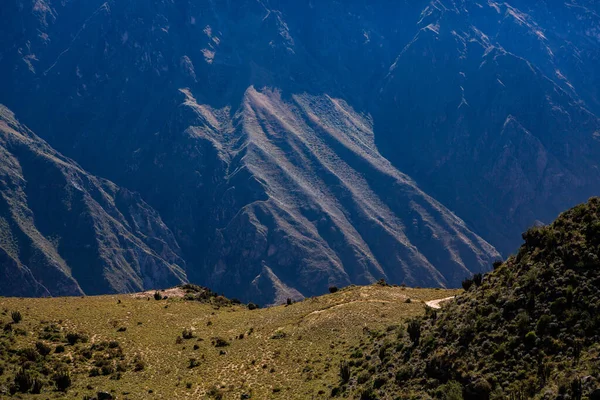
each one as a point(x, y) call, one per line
point(66, 232)
point(529, 329)
point(290, 146)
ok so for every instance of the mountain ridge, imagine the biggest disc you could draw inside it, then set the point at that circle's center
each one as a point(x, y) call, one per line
point(105, 234)
point(489, 108)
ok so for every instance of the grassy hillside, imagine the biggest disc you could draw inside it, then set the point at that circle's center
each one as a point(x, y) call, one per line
point(136, 346)
point(529, 329)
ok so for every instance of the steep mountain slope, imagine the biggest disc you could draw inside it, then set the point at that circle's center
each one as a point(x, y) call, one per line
point(476, 108)
point(529, 329)
point(65, 232)
point(324, 207)
point(260, 130)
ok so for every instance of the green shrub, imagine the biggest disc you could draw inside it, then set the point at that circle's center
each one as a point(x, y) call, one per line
point(138, 363)
point(23, 381)
point(76, 337)
point(37, 386)
point(530, 338)
point(43, 349)
point(414, 331)
point(16, 316)
point(450, 391)
point(193, 363)
point(220, 342)
point(344, 371)
point(279, 335)
point(467, 283)
point(62, 380)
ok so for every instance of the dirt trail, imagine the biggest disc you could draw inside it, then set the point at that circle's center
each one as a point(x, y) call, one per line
point(437, 303)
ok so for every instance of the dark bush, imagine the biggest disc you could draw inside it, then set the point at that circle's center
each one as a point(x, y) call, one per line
point(59, 349)
point(477, 279)
point(138, 364)
point(379, 382)
point(16, 316)
point(76, 337)
point(37, 386)
point(157, 296)
point(29, 353)
point(23, 381)
point(187, 334)
point(344, 371)
point(414, 331)
point(333, 289)
point(252, 306)
point(107, 369)
point(467, 283)
point(62, 380)
point(193, 363)
point(43, 349)
point(220, 342)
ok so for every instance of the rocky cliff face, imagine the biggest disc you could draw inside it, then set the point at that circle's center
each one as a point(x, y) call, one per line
point(65, 232)
point(293, 145)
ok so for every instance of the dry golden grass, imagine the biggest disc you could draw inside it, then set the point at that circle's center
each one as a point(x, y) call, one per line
point(314, 336)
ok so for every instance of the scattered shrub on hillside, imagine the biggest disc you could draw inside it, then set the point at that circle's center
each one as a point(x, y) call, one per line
point(450, 391)
point(252, 306)
point(157, 296)
point(37, 386)
point(344, 371)
point(279, 335)
point(333, 289)
point(220, 342)
point(138, 363)
point(29, 354)
point(532, 332)
point(23, 381)
point(289, 302)
point(414, 331)
point(43, 349)
point(215, 393)
point(62, 380)
point(187, 334)
point(76, 337)
point(193, 363)
point(16, 316)
point(467, 283)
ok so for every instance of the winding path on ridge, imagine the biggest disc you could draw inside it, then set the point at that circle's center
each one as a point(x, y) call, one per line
point(437, 304)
